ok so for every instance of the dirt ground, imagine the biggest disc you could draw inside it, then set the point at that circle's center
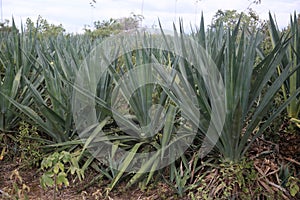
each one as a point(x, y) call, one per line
point(27, 181)
point(268, 154)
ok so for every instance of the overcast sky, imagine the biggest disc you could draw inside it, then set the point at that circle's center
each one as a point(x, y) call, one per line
point(74, 14)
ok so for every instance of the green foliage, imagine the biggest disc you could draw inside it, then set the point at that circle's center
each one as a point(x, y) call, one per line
point(291, 60)
point(182, 179)
point(229, 19)
point(30, 144)
point(293, 185)
point(246, 82)
point(57, 167)
point(17, 60)
point(43, 88)
point(48, 87)
point(288, 181)
point(227, 180)
point(112, 26)
point(140, 102)
point(43, 27)
point(39, 67)
point(104, 28)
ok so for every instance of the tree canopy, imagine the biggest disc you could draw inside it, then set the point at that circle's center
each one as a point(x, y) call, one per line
point(229, 18)
point(42, 26)
point(113, 26)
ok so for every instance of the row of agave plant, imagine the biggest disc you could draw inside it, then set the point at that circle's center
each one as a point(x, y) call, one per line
point(38, 80)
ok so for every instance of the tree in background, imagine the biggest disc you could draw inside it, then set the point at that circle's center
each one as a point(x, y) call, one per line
point(4, 26)
point(112, 26)
point(229, 19)
point(42, 26)
point(250, 19)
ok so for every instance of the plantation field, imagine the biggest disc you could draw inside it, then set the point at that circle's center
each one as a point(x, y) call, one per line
point(149, 114)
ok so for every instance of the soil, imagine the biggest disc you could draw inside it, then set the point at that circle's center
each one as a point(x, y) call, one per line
point(268, 154)
point(280, 150)
point(76, 191)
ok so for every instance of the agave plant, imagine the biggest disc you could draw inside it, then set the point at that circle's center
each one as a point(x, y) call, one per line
point(291, 60)
point(147, 101)
point(17, 57)
point(48, 85)
point(245, 99)
point(249, 93)
point(150, 132)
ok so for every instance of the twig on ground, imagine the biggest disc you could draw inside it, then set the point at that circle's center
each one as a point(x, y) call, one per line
point(292, 160)
point(280, 188)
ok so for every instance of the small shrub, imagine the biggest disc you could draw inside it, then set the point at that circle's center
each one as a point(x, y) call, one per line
point(228, 180)
point(30, 143)
point(56, 168)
